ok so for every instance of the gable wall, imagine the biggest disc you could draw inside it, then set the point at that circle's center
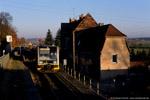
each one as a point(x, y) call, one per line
point(108, 69)
point(115, 45)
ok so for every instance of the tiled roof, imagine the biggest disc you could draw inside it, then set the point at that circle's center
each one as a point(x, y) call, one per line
point(81, 24)
point(112, 31)
point(87, 22)
point(105, 30)
point(93, 39)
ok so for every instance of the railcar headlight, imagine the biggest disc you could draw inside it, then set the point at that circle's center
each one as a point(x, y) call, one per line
point(54, 62)
point(40, 62)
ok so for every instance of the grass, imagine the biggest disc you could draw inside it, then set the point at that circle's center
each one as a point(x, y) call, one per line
point(12, 82)
point(16, 65)
point(139, 45)
point(140, 50)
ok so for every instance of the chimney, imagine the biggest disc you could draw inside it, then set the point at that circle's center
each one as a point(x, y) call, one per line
point(70, 19)
point(81, 16)
point(73, 20)
point(101, 24)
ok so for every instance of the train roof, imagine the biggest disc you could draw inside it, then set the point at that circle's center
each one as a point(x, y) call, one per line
point(44, 46)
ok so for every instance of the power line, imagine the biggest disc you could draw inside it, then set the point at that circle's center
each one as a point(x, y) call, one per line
point(95, 13)
point(29, 4)
point(123, 17)
point(36, 9)
point(73, 12)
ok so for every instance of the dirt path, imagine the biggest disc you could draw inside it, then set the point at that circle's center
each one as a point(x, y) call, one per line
point(12, 82)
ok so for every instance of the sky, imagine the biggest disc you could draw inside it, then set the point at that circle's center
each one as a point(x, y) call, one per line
point(33, 18)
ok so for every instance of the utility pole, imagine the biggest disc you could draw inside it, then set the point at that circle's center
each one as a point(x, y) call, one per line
point(73, 12)
point(74, 51)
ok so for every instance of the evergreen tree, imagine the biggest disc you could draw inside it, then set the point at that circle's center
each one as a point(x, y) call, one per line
point(49, 39)
point(58, 38)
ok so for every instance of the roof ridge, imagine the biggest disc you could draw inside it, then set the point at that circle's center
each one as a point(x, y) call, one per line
point(84, 18)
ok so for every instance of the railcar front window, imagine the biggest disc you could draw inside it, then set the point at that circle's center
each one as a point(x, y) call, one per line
point(44, 55)
point(48, 54)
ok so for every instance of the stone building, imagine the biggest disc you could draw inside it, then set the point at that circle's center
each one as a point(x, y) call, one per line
point(101, 51)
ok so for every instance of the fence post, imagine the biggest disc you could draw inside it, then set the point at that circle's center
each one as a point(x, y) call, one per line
point(68, 70)
point(98, 88)
point(65, 68)
point(71, 72)
point(75, 74)
point(79, 76)
point(84, 79)
point(1, 64)
point(114, 86)
point(90, 83)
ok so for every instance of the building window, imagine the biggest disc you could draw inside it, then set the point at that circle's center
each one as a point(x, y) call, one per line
point(114, 58)
point(78, 42)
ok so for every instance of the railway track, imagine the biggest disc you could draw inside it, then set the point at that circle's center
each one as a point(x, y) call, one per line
point(60, 88)
point(53, 86)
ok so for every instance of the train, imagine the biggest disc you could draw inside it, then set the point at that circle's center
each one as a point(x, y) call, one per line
point(47, 58)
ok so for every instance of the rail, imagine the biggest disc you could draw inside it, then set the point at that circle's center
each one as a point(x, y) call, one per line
point(4, 61)
point(55, 83)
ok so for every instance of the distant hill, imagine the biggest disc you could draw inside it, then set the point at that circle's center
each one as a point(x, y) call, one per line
point(33, 39)
point(140, 38)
